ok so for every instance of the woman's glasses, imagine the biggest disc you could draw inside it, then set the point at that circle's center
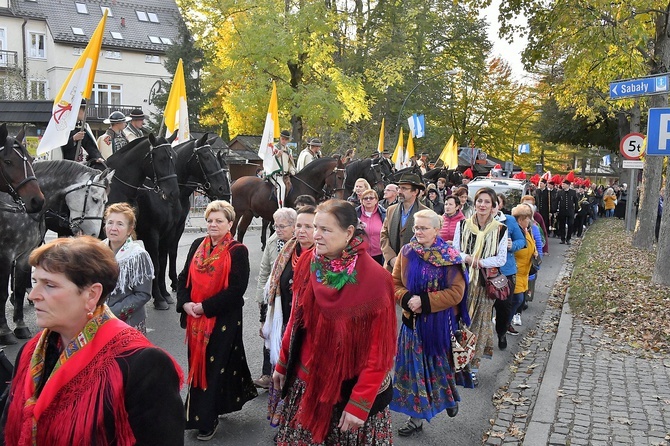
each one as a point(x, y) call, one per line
point(282, 227)
point(420, 229)
point(370, 198)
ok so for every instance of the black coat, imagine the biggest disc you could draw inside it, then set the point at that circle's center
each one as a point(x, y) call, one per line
point(542, 202)
point(88, 143)
point(229, 383)
point(566, 203)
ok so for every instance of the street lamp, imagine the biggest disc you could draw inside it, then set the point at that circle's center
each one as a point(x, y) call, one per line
point(517, 131)
point(446, 73)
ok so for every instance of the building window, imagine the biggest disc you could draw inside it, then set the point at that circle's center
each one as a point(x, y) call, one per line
point(152, 58)
point(142, 16)
point(155, 39)
point(81, 8)
point(108, 9)
point(153, 17)
point(37, 89)
point(166, 40)
point(37, 44)
point(113, 54)
point(117, 36)
point(106, 94)
point(3, 46)
point(78, 31)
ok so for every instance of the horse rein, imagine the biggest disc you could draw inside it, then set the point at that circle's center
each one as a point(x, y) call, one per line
point(14, 190)
point(156, 189)
point(75, 223)
point(329, 193)
point(208, 184)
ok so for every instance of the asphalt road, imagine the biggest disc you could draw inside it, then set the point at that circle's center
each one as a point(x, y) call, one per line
point(250, 426)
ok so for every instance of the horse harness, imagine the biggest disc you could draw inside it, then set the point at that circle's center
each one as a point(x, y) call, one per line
point(156, 189)
point(14, 191)
point(207, 184)
point(75, 223)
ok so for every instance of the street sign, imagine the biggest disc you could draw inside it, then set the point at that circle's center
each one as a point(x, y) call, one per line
point(631, 146)
point(633, 164)
point(658, 132)
point(643, 86)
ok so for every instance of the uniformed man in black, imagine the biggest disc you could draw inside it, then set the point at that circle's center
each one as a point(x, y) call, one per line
point(542, 200)
point(85, 135)
point(566, 204)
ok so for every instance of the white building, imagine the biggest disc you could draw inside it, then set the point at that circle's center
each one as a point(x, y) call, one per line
point(40, 41)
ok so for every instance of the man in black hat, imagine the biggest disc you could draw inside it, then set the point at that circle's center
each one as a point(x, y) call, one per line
point(423, 163)
point(73, 150)
point(113, 139)
point(399, 223)
point(566, 203)
point(134, 129)
point(309, 154)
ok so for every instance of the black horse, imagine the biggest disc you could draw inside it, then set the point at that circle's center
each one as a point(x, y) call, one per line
point(395, 177)
point(17, 177)
point(453, 177)
point(145, 169)
point(198, 168)
point(372, 170)
point(85, 192)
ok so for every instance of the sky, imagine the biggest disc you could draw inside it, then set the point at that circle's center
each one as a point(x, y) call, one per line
point(510, 52)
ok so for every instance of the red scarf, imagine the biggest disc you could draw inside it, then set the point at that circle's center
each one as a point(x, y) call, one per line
point(207, 276)
point(342, 324)
point(70, 409)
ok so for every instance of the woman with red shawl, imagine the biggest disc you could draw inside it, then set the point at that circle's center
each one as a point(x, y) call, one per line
point(338, 349)
point(210, 297)
point(88, 378)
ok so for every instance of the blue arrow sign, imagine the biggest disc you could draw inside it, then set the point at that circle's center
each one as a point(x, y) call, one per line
point(643, 86)
point(658, 132)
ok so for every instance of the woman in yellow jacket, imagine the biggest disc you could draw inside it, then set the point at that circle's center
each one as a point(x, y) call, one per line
point(610, 202)
point(523, 214)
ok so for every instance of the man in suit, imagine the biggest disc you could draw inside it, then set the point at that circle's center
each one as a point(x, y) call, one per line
point(399, 223)
point(74, 151)
point(566, 205)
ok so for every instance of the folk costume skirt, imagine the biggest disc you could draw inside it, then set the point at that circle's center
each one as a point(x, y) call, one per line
point(423, 386)
point(376, 431)
point(481, 314)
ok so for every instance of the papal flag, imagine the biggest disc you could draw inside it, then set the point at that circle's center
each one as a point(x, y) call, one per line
point(398, 157)
point(77, 85)
point(449, 155)
point(380, 144)
point(270, 132)
point(176, 109)
point(409, 152)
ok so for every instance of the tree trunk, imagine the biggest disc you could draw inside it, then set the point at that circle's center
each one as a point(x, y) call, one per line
point(644, 236)
point(663, 249)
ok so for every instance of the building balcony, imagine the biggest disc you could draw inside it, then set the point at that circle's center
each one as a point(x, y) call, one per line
point(100, 112)
point(9, 60)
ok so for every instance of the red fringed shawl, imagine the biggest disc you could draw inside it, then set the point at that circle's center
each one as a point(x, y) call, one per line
point(342, 325)
point(71, 407)
point(207, 276)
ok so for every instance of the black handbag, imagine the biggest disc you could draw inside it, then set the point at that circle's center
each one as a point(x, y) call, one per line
point(535, 265)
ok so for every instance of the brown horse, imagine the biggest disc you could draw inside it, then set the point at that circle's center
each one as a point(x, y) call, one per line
point(17, 177)
point(253, 196)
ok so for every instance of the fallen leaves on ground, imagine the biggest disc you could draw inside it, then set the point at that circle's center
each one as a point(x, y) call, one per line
point(611, 288)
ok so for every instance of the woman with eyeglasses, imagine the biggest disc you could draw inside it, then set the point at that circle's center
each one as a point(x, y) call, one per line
point(280, 297)
point(430, 286)
point(372, 215)
point(284, 224)
point(482, 243)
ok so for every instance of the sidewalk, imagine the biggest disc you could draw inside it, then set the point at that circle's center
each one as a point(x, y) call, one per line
point(196, 223)
point(572, 385)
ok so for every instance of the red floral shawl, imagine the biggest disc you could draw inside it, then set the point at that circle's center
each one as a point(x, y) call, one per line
point(340, 324)
point(207, 276)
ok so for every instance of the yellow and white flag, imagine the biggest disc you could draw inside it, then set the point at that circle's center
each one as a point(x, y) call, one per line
point(77, 85)
point(449, 155)
point(409, 153)
point(176, 109)
point(398, 157)
point(270, 132)
point(380, 144)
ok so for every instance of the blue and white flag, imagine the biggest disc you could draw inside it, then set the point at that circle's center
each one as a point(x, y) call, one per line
point(417, 124)
point(524, 148)
point(607, 160)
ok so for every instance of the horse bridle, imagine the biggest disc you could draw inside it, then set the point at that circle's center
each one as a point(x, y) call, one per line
point(208, 184)
point(75, 223)
point(330, 193)
point(156, 189)
point(14, 190)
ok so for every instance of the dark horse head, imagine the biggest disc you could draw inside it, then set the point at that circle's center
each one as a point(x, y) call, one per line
point(199, 168)
point(148, 157)
point(369, 169)
point(17, 177)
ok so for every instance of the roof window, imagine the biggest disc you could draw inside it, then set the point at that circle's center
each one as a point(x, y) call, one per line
point(81, 8)
point(108, 9)
point(153, 17)
point(117, 36)
point(155, 39)
point(78, 31)
point(142, 16)
point(166, 40)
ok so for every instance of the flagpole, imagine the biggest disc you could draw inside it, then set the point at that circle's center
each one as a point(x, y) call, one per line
point(517, 131)
point(83, 129)
point(446, 73)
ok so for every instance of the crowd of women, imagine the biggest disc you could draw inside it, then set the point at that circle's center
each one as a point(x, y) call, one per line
point(335, 363)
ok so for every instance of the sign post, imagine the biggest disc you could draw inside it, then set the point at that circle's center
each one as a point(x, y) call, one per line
point(643, 86)
point(631, 149)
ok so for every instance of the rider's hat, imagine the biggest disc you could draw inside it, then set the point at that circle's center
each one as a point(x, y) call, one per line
point(413, 179)
point(136, 114)
point(116, 117)
point(285, 134)
point(315, 142)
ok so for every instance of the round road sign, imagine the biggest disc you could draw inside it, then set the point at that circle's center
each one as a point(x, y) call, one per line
point(631, 146)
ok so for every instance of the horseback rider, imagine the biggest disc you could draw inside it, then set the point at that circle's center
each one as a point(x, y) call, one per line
point(74, 151)
point(309, 154)
point(135, 128)
point(113, 139)
point(282, 166)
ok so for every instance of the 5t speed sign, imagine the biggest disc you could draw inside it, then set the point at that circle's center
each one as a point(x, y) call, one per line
point(631, 146)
